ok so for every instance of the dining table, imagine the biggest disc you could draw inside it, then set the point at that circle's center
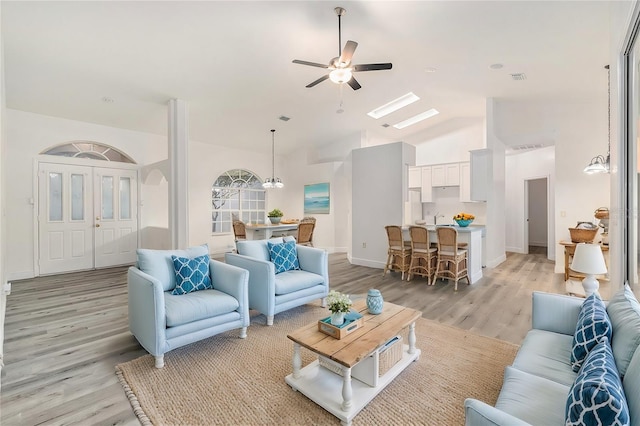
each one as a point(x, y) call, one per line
point(264, 231)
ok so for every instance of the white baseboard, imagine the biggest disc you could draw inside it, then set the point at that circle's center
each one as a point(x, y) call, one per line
point(538, 243)
point(23, 275)
point(515, 250)
point(367, 262)
point(495, 262)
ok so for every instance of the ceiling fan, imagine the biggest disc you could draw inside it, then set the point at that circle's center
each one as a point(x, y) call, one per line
point(341, 68)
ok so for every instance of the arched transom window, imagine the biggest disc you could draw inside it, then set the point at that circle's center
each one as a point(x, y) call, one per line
point(237, 194)
point(92, 150)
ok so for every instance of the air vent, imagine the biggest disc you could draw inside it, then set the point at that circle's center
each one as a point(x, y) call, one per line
point(519, 76)
point(284, 118)
point(385, 125)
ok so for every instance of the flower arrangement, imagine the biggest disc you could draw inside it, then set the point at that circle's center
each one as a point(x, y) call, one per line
point(338, 302)
point(464, 216)
point(275, 213)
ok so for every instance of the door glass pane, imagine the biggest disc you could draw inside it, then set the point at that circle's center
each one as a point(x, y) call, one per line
point(107, 197)
point(55, 196)
point(125, 198)
point(77, 197)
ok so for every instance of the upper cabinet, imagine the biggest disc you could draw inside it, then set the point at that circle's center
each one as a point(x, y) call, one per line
point(415, 177)
point(426, 189)
point(445, 174)
point(480, 174)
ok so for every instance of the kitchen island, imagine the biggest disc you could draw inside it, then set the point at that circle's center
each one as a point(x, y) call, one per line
point(472, 235)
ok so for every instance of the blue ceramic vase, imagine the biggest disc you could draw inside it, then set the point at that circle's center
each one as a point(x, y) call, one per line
point(374, 302)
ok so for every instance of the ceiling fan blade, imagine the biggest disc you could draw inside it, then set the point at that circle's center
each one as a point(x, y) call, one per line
point(372, 67)
point(311, 64)
point(354, 83)
point(320, 80)
point(347, 52)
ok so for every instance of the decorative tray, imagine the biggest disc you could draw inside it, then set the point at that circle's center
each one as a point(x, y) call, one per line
point(352, 322)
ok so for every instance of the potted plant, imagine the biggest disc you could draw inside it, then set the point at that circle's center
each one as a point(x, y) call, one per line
point(275, 216)
point(339, 304)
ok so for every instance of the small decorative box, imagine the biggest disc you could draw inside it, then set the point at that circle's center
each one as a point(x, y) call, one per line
point(350, 325)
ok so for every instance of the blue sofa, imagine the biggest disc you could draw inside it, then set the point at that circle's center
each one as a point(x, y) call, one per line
point(161, 321)
point(536, 387)
point(271, 293)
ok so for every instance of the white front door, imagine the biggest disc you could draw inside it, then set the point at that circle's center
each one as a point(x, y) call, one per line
point(115, 195)
point(65, 218)
point(87, 217)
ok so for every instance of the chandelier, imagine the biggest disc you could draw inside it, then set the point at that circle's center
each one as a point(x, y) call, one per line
point(599, 163)
point(273, 182)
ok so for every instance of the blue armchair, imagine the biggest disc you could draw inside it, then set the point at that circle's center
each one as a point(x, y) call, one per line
point(161, 321)
point(271, 293)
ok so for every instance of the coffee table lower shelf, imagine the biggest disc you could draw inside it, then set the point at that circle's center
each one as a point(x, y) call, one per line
point(326, 388)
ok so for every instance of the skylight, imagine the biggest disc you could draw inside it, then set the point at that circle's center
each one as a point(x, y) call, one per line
point(416, 118)
point(394, 105)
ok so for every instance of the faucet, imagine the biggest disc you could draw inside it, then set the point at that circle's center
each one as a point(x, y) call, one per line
point(435, 218)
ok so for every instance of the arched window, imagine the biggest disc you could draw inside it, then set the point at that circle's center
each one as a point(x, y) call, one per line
point(92, 150)
point(237, 194)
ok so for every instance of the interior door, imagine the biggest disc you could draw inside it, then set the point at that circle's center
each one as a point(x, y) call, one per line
point(116, 221)
point(65, 218)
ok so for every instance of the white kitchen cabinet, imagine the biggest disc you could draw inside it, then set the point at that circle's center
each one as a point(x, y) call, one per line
point(415, 177)
point(445, 174)
point(426, 189)
point(481, 174)
point(465, 182)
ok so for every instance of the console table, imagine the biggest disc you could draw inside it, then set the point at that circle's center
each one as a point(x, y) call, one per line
point(338, 393)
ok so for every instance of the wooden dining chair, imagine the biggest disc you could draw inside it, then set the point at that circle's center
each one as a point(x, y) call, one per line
point(452, 260)
point(305, 233)
point(423, 256)
point(239, 230)
point(398, 254)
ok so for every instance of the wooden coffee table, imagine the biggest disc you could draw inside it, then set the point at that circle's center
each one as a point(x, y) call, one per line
point(336, 392)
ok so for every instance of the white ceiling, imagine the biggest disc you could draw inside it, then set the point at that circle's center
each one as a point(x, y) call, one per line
point(231, 62)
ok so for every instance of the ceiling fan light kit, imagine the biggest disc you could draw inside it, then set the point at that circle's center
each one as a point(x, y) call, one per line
point(340, 68)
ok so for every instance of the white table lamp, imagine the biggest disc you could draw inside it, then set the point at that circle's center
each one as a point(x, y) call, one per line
point(588, 259)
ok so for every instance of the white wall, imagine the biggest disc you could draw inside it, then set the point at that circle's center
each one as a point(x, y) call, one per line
point(496, 217)
point(27, 135)
point(520, 167)
point(3, 244)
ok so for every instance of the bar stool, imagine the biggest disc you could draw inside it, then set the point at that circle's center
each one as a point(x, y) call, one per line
point(452, 260)
point(398, 254)
point(423, 256)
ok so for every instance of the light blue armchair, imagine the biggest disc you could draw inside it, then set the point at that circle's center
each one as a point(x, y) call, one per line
point(270, 293)
point(161, 321)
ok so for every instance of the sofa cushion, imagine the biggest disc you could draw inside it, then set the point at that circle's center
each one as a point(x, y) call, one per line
point(624, 313)
point(159, 265)
point(545, 354)
point(284, 256)
point(533, 399)
point(192, 274)
point(593, 324)
point(196, 306)
point(290, 281)
point(631, 385)
point(597, 397)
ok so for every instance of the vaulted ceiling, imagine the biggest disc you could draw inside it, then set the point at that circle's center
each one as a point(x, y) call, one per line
point(231, 62)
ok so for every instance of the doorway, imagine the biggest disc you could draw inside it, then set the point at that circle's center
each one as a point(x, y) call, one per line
point(87, 217)
point(536, 232)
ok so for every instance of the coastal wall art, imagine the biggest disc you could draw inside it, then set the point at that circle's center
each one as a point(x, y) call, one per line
point(316, 198)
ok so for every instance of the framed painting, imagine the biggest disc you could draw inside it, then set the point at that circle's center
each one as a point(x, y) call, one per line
point(316, 198)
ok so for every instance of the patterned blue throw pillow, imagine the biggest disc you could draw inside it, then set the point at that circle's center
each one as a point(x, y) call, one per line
point(597, 396)
point(191, 274)
point(593, 324)
point(284, 256)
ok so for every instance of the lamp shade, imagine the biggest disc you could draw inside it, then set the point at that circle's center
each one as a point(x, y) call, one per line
point(588, 259)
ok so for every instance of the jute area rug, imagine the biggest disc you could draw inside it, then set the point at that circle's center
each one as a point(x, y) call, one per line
point(229, 381)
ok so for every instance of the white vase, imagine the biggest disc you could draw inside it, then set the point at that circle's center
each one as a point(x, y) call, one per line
point(337, 318)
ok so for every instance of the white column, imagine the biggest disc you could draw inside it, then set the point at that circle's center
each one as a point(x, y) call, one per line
point(178, 173)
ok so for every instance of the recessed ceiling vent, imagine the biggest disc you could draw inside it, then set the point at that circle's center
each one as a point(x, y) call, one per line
point(385, 125)
point(525, 147)
point(519, 76)
point(284, 118)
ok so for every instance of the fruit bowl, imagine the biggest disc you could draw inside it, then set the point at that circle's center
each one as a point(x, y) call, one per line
point(464, 222)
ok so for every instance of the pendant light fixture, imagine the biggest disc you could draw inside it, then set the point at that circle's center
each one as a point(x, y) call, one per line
point(273, 182)
point(600, 164)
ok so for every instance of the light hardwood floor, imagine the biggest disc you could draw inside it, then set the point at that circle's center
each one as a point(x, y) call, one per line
point(64, 334)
